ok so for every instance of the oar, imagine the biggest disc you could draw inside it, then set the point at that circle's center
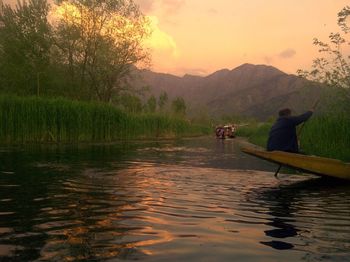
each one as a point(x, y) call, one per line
point(313, 107)
point(278, 170)
point(302, 126)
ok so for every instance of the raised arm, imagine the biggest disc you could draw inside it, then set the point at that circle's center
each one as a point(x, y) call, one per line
point(301, 118)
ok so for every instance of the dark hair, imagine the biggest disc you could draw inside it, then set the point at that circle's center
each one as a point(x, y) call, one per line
point(284, 112)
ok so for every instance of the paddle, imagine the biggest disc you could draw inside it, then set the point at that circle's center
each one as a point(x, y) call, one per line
point(313, 108)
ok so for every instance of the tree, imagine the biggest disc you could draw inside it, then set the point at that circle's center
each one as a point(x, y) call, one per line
point(25, 42)
point(162, 100)
point(99, 41)
point(332, 69)
point(130, 103)
point(151, 104)
point(179, 106)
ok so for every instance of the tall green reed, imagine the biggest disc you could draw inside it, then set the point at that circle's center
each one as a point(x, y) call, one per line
point(327, 136)
point(32, 119)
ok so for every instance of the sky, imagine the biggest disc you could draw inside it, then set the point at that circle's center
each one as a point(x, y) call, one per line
point(200, 37)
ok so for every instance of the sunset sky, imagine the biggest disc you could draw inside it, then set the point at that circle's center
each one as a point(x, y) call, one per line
point(202, 36)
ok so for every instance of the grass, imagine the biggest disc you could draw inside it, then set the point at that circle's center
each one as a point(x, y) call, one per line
point(327, 136)
point(257, 133)
point(32, 119)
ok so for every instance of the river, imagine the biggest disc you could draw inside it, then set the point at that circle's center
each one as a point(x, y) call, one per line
point(197, 199)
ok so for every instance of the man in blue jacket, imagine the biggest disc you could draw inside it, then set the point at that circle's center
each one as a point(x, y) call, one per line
point(283, 136)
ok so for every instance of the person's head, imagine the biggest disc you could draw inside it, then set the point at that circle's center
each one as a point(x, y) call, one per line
point(285, 112)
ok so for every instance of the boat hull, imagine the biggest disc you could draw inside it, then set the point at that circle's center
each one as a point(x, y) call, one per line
point(312, 164)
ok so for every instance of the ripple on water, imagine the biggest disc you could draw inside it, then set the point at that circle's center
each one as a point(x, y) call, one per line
point(174, 212)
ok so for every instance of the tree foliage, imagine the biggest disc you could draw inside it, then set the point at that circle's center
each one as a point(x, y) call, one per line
point(163, 100)
point(178, 106)
point(130, 103)
point(152, 104)
point(81, 49)
point(99, 41)
point(332, 69)
point(25, 42)
point(85, 49)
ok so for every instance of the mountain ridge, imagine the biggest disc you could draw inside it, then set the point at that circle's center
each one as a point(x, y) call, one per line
point(235, 91)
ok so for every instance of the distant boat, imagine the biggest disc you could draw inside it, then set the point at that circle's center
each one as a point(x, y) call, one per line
point(227, 131)
point(321, 166)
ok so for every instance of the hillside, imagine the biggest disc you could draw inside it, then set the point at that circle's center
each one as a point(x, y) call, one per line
point(251, 90)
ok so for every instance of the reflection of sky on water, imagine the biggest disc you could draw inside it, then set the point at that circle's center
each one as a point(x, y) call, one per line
point(171, 200)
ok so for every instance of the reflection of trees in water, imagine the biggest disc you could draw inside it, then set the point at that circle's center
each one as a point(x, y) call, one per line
point(20, 188)
point(97, 216)
point(308, 204)
point(55, 212)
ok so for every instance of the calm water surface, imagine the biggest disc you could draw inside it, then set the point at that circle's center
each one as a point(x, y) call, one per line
point(187, 200)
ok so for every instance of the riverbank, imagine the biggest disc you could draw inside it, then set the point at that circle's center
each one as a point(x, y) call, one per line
point(326, 136)
point(40, 120)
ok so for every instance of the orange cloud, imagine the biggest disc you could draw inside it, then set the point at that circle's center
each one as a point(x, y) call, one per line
point(160, 41)
point(288, 53)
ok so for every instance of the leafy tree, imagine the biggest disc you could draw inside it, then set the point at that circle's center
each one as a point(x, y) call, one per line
point(152, 104)
point(163, 100)
point(130, 103)
point(178, 106)
point(25, 42)
point(332, 69)
point(100, 41)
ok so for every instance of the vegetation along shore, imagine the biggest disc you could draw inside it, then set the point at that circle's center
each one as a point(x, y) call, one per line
point(32, 119)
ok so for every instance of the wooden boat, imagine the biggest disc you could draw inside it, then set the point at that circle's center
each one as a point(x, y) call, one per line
point(227, 131)
point(311, 164)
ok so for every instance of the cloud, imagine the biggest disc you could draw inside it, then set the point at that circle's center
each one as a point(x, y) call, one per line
point(167, 7)
point(146, 6)
point(191, 71)
point(287, 53)
point(172, 6)
point(160, 41)
point(212, 11)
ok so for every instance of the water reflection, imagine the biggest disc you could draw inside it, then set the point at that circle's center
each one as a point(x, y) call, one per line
point(313, 210)
point(280, 209)
point(197, 199)
point(97, 208)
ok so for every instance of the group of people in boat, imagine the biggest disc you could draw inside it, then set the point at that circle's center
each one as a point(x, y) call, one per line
point(225, 131)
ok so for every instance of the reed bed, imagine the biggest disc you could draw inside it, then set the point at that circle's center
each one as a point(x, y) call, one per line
point(32, 119)
point(327, 136)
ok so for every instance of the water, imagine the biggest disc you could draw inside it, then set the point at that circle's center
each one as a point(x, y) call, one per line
point(188, 200)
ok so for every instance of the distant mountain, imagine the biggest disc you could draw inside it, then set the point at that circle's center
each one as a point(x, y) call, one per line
point(251, 90)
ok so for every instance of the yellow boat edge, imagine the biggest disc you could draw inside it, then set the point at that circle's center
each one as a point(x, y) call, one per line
point(312, 164)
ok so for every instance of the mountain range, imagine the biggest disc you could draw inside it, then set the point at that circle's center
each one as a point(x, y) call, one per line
point(251, 90)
